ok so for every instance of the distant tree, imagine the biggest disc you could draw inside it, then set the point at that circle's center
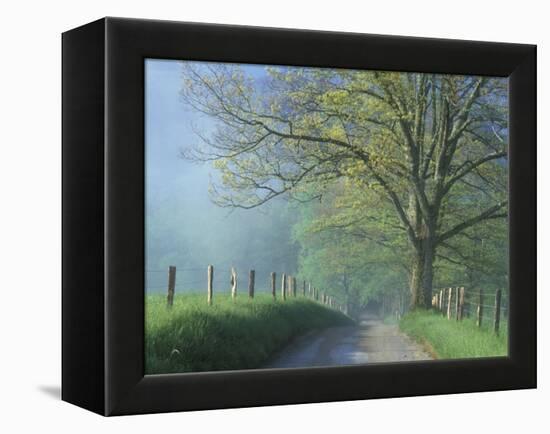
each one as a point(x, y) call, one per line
point(430, 148)
point(350, 248)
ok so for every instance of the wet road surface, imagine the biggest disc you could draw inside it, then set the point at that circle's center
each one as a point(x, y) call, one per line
point(370, 341)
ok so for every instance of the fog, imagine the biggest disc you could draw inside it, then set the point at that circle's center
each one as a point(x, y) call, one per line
point(184, 227)
point(351, 242)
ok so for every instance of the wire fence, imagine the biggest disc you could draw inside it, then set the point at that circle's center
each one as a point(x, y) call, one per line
point(198, 279)
point(194, 279)
point(486, 306)
point(457, 303)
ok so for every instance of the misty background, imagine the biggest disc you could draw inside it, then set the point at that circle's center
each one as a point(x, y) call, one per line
point(183, 227)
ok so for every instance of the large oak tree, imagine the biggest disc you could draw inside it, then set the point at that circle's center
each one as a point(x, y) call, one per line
point(432, 148)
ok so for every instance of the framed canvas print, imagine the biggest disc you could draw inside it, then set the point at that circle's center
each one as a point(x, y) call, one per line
point(264, 216)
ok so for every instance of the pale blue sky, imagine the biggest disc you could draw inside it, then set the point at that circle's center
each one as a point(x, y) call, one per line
point(169, 129)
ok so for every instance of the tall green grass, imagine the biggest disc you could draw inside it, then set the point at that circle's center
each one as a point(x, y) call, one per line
point(455, 339)
point(192, 336)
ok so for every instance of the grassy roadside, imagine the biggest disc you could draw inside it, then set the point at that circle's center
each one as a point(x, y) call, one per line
point(193, 336)
point(454, 339)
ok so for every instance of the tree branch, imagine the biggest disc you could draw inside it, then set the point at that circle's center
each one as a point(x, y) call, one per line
point(471, 166)
point(487, 214)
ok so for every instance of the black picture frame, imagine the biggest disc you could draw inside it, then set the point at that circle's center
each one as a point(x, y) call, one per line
point(103, 216)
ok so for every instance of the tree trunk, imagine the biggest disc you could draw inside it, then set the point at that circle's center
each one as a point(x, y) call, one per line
point(421, 277)
point(422, 274)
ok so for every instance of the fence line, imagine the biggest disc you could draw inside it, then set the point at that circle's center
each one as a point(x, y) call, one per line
point(451, 302)
point(289, 287)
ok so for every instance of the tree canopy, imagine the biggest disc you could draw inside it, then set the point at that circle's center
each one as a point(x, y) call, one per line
point(403, 172)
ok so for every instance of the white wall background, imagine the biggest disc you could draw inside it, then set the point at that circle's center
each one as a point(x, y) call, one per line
point(30, 201)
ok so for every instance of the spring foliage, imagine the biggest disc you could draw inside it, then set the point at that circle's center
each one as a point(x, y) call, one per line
point(403, 174)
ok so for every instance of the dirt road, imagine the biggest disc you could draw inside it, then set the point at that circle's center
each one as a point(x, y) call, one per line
point(371, 341)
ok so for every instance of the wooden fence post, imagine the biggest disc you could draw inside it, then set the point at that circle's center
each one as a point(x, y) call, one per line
point(441, 300)
point(480, 309)
point(461, 304)
point(283, 285)
point(290, 288)
point(457, 290)
point(498, 296)
point(171, 285)
point(210, 280)
point(449, 300)
point(233, 283)
point(273, 285)
point(251, 277)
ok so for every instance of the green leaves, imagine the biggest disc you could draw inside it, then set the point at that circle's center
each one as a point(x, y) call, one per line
point(398, 160)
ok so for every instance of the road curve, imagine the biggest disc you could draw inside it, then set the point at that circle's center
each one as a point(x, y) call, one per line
point(370, 341)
